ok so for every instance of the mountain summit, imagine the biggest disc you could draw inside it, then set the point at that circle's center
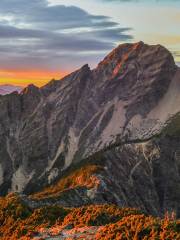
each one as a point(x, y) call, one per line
point(119, 123)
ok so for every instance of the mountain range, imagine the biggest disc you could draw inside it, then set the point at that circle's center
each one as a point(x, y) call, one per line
point(7, 88)
point(106, 135)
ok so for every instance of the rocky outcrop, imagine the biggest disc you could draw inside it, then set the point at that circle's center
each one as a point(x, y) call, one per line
point(144, 175)
point(141, 174)
point(128, 99)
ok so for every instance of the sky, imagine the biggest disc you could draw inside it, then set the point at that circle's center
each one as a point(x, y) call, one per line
point(42, 40)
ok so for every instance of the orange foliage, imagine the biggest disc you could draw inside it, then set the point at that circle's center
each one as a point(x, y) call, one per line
point(97, 215)
point(104, 222)
point(18, 220)
point(141, 227)
point(83, 177)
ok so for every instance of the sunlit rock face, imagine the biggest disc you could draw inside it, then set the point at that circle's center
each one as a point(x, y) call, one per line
point(127, 100)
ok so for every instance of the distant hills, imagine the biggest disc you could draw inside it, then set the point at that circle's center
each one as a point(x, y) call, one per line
point(7, 88)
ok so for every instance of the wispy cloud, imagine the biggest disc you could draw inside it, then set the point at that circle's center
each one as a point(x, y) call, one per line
point(34, 34)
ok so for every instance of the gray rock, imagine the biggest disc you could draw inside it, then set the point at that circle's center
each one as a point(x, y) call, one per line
point(128, 99)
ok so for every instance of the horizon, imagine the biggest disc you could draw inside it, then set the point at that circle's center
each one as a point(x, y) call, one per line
point(44, 40)
point(43, 82)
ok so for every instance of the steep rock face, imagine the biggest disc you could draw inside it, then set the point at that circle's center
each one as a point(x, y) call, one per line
point(145, 175)
point(129, 97)
point(141, 174)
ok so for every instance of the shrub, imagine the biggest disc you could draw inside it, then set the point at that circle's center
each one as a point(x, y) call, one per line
point(83, 177)
point(18, 221)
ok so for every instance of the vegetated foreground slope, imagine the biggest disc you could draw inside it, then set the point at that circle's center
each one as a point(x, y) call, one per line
point(107, 222)
point(104, 136)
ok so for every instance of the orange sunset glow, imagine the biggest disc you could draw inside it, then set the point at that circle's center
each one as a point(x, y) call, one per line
point(23, 78)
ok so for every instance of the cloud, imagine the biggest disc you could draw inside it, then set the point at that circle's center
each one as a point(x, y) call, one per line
point(176, 53)
point(163, 1)
point(33, 33)
point(52, 17)
point(13, 32)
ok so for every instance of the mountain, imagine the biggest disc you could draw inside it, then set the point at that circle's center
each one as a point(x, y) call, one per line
point(107, 135)
point(6, 89)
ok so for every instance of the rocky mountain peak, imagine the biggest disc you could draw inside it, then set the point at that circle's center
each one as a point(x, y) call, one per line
point(137, 55)
point(30, 97)
point(115, 111)
point(30, 89)
point(85, 68)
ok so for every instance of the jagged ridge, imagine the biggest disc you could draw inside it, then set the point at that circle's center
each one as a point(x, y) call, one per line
point(44, 131)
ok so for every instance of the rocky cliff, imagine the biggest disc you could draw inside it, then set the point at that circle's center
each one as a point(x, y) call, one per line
point(122, 116)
